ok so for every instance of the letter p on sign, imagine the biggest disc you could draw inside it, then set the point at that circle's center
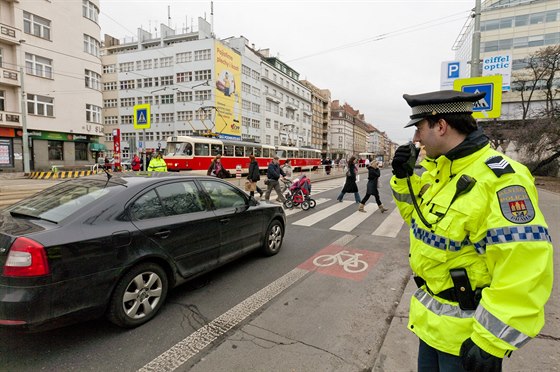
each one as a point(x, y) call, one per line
point(453, 70)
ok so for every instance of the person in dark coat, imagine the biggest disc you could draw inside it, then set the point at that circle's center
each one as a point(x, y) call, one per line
point(273, 174)
point(350, 183)
point(373, 178)
point(254, 174)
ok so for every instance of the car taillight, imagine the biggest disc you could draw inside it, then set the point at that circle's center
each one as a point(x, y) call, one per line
point(26, 258)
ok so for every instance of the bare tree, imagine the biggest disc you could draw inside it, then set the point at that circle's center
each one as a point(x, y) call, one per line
point(539, 87)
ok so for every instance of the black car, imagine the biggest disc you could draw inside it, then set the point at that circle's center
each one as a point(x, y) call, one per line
point(114, 245)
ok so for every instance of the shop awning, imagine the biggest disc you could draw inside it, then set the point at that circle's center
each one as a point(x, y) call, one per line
point(94, 146)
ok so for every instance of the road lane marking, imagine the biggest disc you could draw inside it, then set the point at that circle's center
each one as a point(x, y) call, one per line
point(321, 215)
point(184, 350)
point(295, 210)
point(349, 223)
point(391, 226)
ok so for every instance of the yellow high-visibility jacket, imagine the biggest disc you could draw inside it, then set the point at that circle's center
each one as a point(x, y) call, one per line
point(157, 165)
point(496, 232)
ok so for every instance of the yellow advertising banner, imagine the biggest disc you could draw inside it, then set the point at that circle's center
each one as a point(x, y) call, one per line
point(228, 92)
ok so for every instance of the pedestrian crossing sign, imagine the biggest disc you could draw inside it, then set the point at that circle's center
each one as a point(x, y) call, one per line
point(491, 105)
point(142, 116)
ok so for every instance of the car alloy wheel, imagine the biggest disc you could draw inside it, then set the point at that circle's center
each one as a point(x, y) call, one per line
point(138, 296)
point(274, 236)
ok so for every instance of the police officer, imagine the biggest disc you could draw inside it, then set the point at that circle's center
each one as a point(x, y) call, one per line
point(157, 164)
point(479, 245)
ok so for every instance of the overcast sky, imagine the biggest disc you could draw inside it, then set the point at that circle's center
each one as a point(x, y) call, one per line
point(368, 53)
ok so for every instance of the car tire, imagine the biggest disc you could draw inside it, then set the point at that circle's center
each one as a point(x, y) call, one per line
point(273, 238)
point(131, 306)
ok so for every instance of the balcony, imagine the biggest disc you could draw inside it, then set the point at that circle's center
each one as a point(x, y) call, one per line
point(9, 34)
point(9, 77)
point(9, 119)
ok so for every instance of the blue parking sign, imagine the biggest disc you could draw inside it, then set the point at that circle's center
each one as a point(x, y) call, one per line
point(453, 70)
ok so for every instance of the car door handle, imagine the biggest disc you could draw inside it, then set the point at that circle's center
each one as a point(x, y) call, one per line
point(163, 234)
point(225, 220)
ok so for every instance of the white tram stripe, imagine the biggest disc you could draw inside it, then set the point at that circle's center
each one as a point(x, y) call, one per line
point(185, 349)
point(349, 223)
point(391, 225)
point(321, 215)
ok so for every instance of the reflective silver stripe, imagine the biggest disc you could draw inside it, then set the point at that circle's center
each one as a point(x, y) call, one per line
point(499, 329)
point(440, 309)
point(513, 234)
point(402, 197)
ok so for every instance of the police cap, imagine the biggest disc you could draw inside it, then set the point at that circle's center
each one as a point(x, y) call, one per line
point(440, 102)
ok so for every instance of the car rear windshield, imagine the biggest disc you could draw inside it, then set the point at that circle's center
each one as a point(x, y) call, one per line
point(62, 200)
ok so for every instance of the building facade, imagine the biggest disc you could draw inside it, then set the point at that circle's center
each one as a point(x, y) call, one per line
point(518, 28)
point(50, 86)
point(349, 131)
point(320, 120)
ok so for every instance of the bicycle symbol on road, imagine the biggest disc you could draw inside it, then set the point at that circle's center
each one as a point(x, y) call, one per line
point(350, 262)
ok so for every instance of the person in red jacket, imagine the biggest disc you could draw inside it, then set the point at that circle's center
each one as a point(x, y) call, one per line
point(136, 163)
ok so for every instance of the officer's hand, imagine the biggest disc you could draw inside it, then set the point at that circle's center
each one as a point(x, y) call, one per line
point(400, 161)
point(477, 360)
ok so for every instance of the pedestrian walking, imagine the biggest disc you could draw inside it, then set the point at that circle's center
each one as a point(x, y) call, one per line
point(287, 168)
point(273, 174)
point(254, 176)
point(157, 164)
point(480, 247)
point(350, 183)
point(216, 168)
point(372, 188)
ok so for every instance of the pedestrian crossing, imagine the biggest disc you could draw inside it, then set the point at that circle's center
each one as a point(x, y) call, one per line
point(389, 227)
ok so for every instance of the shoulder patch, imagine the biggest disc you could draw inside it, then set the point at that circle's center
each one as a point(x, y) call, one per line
point(499, 165)
point(515, 204)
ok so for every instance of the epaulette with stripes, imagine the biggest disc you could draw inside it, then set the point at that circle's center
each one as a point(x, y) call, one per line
point(499, 165)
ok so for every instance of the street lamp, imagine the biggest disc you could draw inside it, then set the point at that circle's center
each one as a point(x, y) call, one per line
point(25, 136)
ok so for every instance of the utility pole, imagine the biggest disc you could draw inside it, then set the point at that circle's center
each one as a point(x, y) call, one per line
point(25, 136)
point(475, 54)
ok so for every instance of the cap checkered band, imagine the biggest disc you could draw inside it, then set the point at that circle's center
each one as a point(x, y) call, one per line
point(442, 108)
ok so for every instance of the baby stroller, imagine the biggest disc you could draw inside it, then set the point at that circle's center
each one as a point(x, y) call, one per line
point(300, 194)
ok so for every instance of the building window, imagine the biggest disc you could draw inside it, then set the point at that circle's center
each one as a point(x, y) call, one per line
point(110, 86)
point(93, 114)
point(147, 64)
point(148, 82)
point(109, 69)
point(184, 96)
point(183, 57)
point(111, 120)
point(127, 102)
point(56, 150)
point(126, 66)
point(80, 151)
point(203, 114)
point(202, 75)
point(184, 115)
point(166, 80)
point(201, 55)
point(2, 100)
point(90, 11)
point(183, 77)
point(166, 61)
point(35, 25)
point(167, 99)
point(93, 80)
point(108, 103)
point(245, 70)
point(40, 105)
point(203, 95)
point(167, 117)
point(38, 66)
point(127, 119)
point(127, 84)
point(91, 45)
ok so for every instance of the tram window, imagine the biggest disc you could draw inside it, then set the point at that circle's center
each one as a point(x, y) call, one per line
point(266, 153)
point(216, 149)
point(201, 149)
point(187, 150)
point(290, 153)
point(228, 150)
point(257, 151)
point(239, 151)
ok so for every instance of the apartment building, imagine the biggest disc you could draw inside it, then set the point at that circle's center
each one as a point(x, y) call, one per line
point(50, 84)
point(320, 120)
point(518, 28)
point(349, 131)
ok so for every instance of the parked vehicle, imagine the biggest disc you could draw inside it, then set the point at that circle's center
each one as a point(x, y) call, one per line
point(114, 244)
